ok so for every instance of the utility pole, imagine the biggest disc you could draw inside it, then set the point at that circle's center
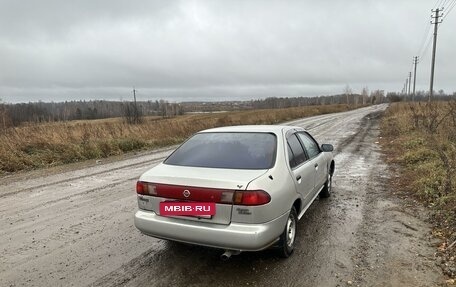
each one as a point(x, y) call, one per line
point(135, 117)
point(409, 82)
point(435, 20)
point(406, 85)
point(415, 61)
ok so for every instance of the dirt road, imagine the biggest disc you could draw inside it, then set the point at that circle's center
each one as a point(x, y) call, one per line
point(75, 228)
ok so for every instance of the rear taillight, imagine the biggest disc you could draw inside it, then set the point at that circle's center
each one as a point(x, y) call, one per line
point(146, 188)
point(190, 193)
point(251, 197)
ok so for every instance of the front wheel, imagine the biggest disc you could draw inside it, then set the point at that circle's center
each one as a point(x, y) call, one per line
point(326, 191)
point(287, 239)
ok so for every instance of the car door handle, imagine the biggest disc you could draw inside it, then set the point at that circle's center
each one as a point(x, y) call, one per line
point(316, 165)
point(298, 178)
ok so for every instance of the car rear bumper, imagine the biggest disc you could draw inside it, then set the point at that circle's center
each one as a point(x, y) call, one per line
point(235, 236)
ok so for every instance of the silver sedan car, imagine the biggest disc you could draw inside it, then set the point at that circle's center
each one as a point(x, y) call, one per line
point(239, 188)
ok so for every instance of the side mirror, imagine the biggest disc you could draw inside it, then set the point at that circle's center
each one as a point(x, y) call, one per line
point(327, 147)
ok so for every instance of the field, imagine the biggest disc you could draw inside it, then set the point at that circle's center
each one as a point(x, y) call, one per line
point(43, 145)
point(420, 139)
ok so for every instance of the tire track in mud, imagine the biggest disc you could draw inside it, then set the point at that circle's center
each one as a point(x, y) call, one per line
point(365, 126)
point(49, 200)
point(144, 159)
point(392, 243)
point(340, 215)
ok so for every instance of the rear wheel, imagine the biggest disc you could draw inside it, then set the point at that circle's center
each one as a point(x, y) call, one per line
point(326, 191)
point(287, 239)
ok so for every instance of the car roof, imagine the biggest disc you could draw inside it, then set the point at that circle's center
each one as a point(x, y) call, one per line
point(253, 128)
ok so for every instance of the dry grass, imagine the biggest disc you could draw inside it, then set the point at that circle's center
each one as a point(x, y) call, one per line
point(50, 144)
point(421, 139)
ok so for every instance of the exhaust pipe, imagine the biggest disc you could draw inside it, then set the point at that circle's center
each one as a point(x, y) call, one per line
point(227, 254)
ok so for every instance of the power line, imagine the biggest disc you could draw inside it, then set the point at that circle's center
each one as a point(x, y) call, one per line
point(437, 4)
point(436, 20)
point(426, 35)
point(449, 3)
point(451, 6)
point(428, 42)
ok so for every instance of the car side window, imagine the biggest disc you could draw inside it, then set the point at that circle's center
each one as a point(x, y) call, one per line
point(291, 159)
point(297, 155)
point(309, 143)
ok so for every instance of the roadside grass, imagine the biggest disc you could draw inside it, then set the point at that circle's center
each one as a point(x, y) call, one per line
point(36, 146)
point(420, 138)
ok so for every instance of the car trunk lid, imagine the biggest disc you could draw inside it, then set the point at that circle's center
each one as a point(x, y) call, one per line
point(180, 183)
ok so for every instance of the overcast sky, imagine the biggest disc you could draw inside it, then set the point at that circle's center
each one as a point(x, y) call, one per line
point(217, 50)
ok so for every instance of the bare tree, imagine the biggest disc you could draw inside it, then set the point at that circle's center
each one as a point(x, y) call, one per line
point(365, 95)
point(377, 96)
point(347, 91)
point(4, 117)
point(356, 99)
point(132, 114)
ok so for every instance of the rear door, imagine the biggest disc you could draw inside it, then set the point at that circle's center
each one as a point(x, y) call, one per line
point(316, 157)
point(303, 173)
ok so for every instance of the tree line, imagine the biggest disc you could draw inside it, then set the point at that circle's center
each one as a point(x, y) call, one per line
point(16, 114)
point(36, 112)
point(349, 98)
point(420, 96)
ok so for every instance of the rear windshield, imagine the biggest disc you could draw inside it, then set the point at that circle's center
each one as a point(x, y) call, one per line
point(227, 150)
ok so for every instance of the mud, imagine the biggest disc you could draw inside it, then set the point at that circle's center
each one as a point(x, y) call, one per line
point(75, 227)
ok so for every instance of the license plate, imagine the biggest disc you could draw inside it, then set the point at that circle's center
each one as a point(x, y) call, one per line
point(183, 208)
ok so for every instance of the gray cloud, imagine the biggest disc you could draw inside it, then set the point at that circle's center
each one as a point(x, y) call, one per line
point(184, 50)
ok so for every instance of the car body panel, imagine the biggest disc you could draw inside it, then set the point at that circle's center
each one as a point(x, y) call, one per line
point(189, 177)
point(321, 170)
point(201, 177)
point(304, 179)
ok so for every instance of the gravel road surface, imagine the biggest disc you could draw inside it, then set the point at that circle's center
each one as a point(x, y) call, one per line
point(75, 227)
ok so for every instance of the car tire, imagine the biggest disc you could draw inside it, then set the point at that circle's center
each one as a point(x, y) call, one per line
point(326, 191)
point(288, 237)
